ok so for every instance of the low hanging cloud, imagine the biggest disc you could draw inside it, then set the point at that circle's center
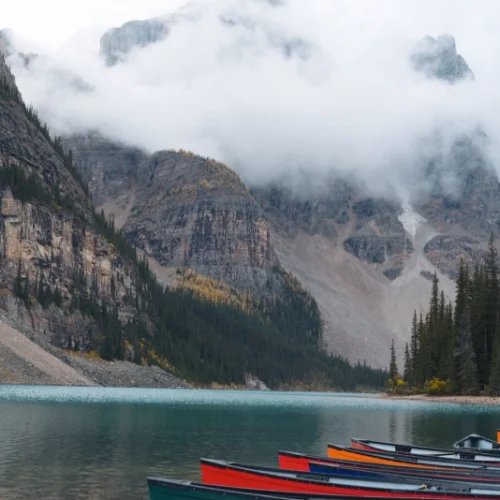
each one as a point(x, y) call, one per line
point(272, 87)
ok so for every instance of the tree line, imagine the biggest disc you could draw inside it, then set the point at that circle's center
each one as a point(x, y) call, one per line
point(455, 346)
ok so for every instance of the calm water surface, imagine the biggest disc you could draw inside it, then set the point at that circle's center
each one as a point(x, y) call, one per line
point(101, 444)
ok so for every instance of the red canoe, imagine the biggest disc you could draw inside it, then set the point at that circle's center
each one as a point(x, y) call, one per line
point(219, 473)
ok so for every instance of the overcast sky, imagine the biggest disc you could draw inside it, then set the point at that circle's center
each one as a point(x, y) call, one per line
point(55, 21)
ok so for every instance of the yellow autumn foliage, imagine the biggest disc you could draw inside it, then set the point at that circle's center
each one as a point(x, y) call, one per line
point(436, 386)
point(215, 291)
point(398, 385)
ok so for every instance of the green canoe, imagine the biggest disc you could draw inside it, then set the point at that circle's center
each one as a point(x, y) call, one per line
point(171, 489)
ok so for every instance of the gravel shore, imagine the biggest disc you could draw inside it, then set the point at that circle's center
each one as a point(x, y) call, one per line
point(475, 400)
point(27, 359)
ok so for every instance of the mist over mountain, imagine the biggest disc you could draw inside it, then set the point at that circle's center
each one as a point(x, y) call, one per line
point(271, 88)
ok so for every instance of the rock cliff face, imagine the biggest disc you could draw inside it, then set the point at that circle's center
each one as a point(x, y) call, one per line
point(249, 31)
point(183, 210)
point(5, 44)
point(118, 42)
point(195, 212)
point(343, 211)
point(438, 58)
point(47, 249)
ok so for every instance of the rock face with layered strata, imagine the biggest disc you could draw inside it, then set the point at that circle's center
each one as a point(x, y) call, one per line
point(182, 209)
point(44, 246)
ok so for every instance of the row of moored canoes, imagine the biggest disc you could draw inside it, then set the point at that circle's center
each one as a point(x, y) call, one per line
point(366, 469)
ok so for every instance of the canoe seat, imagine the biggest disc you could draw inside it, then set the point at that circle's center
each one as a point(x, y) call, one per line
point(403, 448)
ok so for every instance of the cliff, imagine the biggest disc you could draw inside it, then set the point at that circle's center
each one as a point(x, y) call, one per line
point(183, 210)
point(118, 42)
point(56, 266)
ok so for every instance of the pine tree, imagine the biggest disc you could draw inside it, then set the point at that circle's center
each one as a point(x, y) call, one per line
point(465, 356)
point(18, 282)
point(494, 382)
point(490, 311)
point(414, 346)
point(420, 375)
point(407, 367)
point(393, 366)
point(57, 297)
point(26, 291)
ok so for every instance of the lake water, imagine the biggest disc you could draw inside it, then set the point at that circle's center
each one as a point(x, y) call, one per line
point(101, 444)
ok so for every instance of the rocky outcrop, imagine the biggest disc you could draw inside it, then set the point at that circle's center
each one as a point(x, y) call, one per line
point(109, 168)
point(118, 42)
point(195, 212)
point(5, 43)
point(438, 58)
point(50, 251)
point(367, 227)
point(446, 252)
point(183, 210)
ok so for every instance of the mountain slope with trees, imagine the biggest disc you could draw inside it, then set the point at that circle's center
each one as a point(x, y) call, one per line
point(455, 347)
point(70, 276)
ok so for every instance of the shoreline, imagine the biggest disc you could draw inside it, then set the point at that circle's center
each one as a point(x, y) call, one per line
point(469, 400)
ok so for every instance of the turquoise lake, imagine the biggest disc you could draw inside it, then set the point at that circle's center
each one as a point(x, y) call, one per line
point(101, 444)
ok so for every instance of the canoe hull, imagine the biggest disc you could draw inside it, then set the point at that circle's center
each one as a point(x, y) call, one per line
point(395, 460)
point(490, 456)
point(234, 476)
point(302, 463)
point(164, 489)
point(395, 477)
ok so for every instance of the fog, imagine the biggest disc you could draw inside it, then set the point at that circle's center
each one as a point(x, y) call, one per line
point(275, 87)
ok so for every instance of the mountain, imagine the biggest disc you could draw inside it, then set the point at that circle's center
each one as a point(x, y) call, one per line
point(438, 58)
point(118, 42)
point(365, 256)
point(73, 283)
point(364, 249)
point(5, 43)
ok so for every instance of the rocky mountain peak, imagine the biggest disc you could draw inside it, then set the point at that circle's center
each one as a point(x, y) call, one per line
point(118, 42)
point(5, 42)
point(438, 58)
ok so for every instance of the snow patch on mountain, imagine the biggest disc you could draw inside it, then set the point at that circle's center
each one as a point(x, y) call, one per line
point(410, 219)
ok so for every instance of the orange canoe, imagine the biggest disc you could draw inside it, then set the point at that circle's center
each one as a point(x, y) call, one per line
point(352, 455)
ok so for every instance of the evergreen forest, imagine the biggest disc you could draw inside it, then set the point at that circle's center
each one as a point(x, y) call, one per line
point(455, 346)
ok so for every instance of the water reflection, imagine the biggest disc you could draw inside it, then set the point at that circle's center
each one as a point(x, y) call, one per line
point(103, 450)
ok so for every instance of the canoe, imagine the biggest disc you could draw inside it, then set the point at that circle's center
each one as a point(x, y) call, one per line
point(380, 446)
point(220, 473)
point(169, 489)
point(477, 442)
point(289, 460)
point(383, 458)
point(400, 477)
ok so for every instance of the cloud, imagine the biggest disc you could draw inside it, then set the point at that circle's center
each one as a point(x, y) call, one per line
point(271, 87)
